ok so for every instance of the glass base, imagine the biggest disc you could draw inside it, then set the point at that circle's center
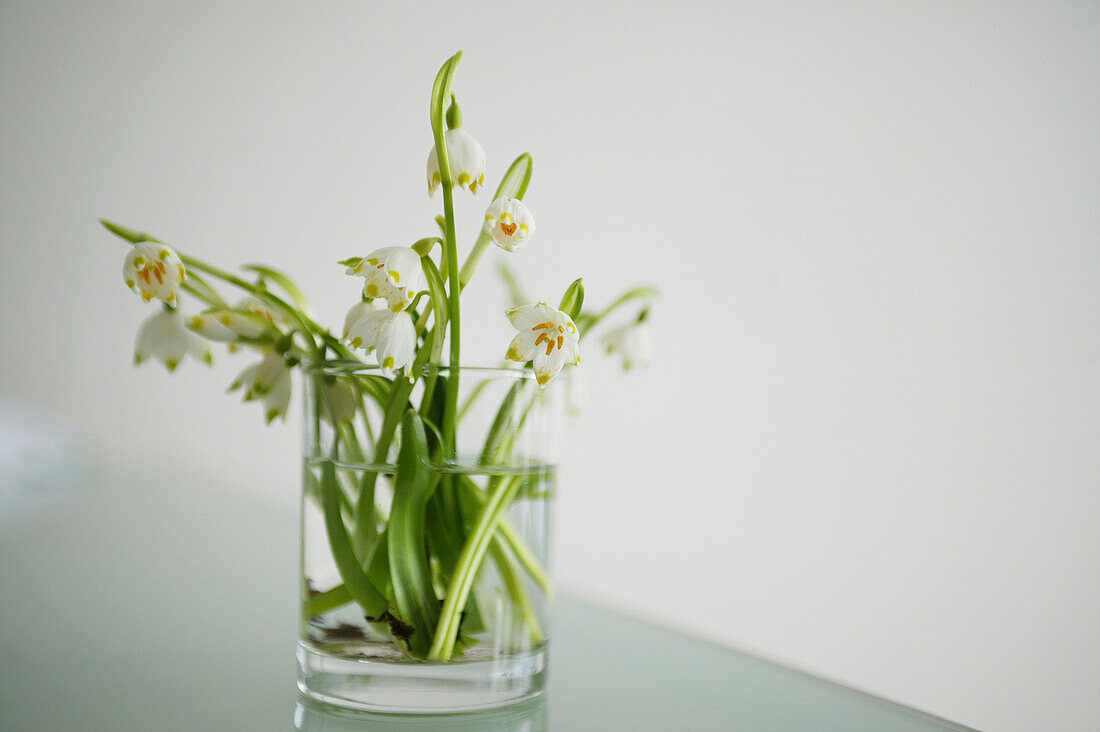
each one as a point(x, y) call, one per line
point(420, 688)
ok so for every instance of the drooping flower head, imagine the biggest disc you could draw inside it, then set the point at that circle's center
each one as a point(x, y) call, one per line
point(268, 380)
point(390, 272)
point(358, 310)
point(153, 270)
point(547, 337)
point(392, 335)
point(249, 318)
point(632, 342)
point(339, 402)
point(509, 222)
point(164, 336)
point(466, 159)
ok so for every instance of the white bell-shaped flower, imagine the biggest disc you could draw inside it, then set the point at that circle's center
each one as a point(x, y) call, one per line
point(268, 380)
point(153, 270)
point(392, 335)
point(208, 326)
point(632, 342)
point(547, 337)
point(466, 158)
point(509, 222)
point(357, 311)
point(392, 273)
point(259, 308)
point(277, 400)
point(249, 318)
point(164, 336)
point(339, 399)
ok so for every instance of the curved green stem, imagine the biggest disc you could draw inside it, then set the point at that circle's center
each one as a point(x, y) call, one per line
point(511, 537)
point(587, 322)
point(441, 93)
point(326, 601)
point(516, 593)
point(462, 577)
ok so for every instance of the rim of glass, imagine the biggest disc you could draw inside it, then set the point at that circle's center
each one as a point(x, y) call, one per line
point(338, 367)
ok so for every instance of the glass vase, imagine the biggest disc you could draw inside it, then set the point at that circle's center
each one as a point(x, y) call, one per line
point(425, 549)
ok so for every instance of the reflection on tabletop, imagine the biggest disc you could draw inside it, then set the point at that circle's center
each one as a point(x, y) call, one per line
point(528, 716)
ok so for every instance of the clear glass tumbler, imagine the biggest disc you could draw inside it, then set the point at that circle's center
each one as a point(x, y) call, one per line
point(425, 568)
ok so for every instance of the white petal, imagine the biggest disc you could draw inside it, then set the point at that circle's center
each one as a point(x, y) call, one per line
point(525, 317)
point(207, 325)
point(277, 398)
point(244, 379)
point(364, 333)
point(396, 343)
point(466, 158)
point(342, 400)
point(357, 311)
point(244, 325)
point(164, 337)
point(153, 270)
point(509, 223)
point(268, 372)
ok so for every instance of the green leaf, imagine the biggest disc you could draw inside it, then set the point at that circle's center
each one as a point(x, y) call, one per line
point(410, 570)
point(495, 442)
point(436, 288)
point(587, 321)
point(573, 299)
point(282, 281)
point(441, 94)
point(446, 537)
point(130, 235)
point(201, 289)
point(355, 579)
point(517, 178)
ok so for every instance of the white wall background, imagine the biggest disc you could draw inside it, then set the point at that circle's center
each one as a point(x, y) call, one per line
point(868, 444)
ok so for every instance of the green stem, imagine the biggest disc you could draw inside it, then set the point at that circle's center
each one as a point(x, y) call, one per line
point(516, 592)
point(587, 322)
point(326, 601)
point(462, 578)
point(441, 94)
point(450, 403)
point(363, 522)
point(515, 542)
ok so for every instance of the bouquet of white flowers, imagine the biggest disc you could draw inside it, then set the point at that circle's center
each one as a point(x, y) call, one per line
point(405, 518)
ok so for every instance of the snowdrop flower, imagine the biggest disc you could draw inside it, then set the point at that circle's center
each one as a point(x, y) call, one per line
point(392, 334)
point(343, 400)
point(390, 272)
point(270, 381)
point(153, 270)
point(208, 326)
point(358, 310)
point(257, 307)
point(249, 318)
point(466, 158)
point(547, 336)
point(164, 337)
point(632, 342)
point(509, 223)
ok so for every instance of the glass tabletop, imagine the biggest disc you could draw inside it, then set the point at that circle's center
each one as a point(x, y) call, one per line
point(135, 601)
